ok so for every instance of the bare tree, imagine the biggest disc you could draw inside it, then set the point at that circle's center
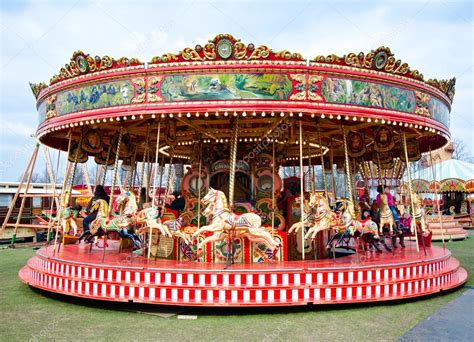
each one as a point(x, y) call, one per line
point(461, 151)
point(79, 176)
point(39, 177)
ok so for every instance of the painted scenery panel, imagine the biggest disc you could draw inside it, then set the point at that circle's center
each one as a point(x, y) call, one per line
point(338, 90)
point(95, 96)
point(42, 111)
point(226, 87)
point(439, 111)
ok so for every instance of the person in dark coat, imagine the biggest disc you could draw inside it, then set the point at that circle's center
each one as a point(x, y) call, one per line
point(178, 203)
point(99, 193)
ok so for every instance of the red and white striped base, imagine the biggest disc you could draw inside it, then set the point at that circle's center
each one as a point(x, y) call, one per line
point(124, 277)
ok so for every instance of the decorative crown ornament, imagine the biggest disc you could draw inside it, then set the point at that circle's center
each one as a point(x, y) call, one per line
point(82, 63)
point(225, 47)
point(382, 59)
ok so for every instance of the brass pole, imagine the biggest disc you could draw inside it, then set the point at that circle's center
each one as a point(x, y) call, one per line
point(273, 186)
point(322, 162)
point(54, 199)
point(114, 176)
point(148, 173)
point(199, 185)
point(312, 179)
point(63, 188)
point(301, 192)
point(112, 187)
point(410, 189)
point(349, 184)
point(142, 166)
point(348, 168)
point(106, 166)
point(168, 182)
point(69, 191)
point(433, 171)
point(233, 161)
point(154, 184)
point(162, 171)
point(156, 161)
point(331, 161)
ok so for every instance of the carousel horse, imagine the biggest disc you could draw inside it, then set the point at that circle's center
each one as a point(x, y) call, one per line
point(151, 218)
point(223, 221)
point(370, 237)
point(346, 226)
point(67, 216)
point(175, 227)
point(350, 227)
point(323, 219)
point(452, 210)
point(123, 223)
point(463, 209)
point(171, 228)
point(418, 215)
point(307, 217)
point(386, 215)
point(68, 219)
point(318, 217)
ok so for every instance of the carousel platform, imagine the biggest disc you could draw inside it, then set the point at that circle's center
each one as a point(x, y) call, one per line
point(123, 277)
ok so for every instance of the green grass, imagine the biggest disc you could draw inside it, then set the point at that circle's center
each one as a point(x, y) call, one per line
point(27, 314)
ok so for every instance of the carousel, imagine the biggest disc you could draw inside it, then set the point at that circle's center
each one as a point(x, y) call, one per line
point(256, 142)
point(447, 190)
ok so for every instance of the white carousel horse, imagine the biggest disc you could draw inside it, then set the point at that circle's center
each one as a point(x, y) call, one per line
point(418, 215)
point(151, 218)
point(318, 217)
point(386, 215)
point(307, 218)
point(348, 220)
point(223, 221)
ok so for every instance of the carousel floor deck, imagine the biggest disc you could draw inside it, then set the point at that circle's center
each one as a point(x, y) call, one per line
point(124, 277)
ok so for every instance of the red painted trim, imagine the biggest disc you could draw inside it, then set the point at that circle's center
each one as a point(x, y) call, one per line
point(386, 277)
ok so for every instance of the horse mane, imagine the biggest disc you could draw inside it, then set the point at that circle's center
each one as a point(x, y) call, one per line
point(103, 208)
point(225, 204)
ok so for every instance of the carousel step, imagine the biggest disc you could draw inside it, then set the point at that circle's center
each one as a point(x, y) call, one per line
point(263, 279)
point(76, 272)
point(250, 297)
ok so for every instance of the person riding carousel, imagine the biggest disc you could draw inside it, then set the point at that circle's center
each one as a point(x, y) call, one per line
point(391, 204)
point(99, 193)
point(178, 204)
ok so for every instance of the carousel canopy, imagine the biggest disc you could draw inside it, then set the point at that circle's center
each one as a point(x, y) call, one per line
point(451, 168)
point(205, 94)
point(451, 175)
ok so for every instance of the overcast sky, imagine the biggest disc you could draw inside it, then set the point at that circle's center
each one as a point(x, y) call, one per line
point(38, 37)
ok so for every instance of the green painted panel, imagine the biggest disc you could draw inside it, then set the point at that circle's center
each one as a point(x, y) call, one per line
point(368, 94)
point(95, 96)
point(226, 87)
